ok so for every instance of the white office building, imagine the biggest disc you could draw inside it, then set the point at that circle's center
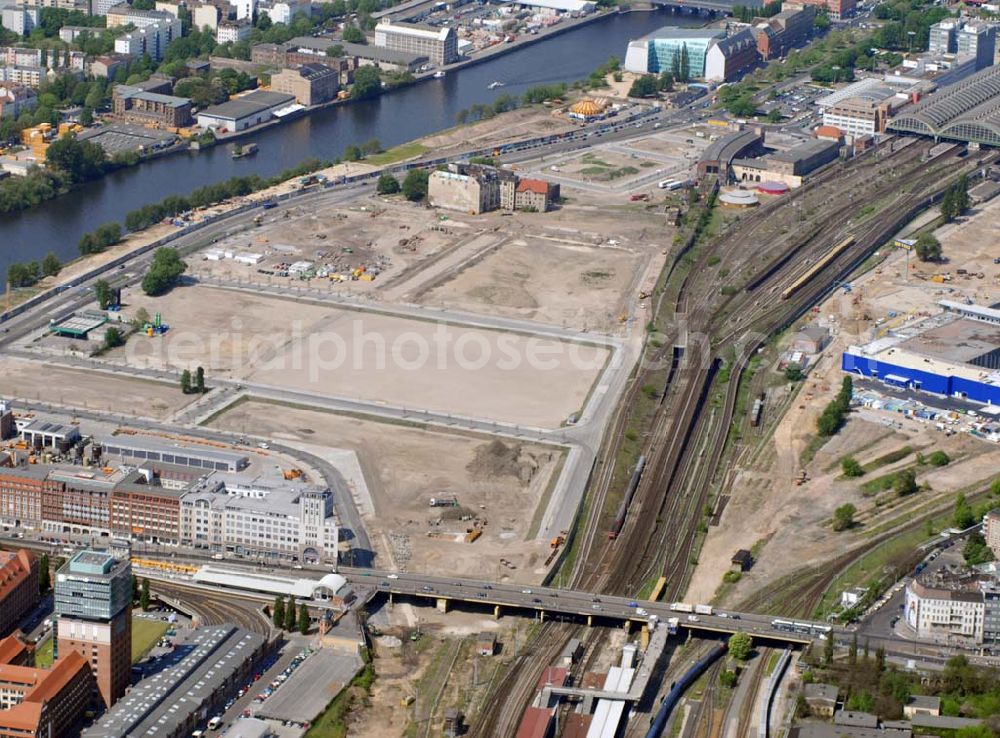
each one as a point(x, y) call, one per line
point(947, 606)
point(440, 45)
point(259, 516)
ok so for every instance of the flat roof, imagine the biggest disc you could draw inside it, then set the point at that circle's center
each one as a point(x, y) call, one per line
point(247, 105)
point(146, 444)
point(79, 324)
point(279, 585)
point(959, 341)
point(805, 150)
point(670, 32)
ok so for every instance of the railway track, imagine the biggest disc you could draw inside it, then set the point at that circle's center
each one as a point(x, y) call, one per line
point(231, 608)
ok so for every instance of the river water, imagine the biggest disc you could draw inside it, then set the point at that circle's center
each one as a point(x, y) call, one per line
point(394, 118)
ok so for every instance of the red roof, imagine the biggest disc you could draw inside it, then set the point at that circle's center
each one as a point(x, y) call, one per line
point(13, 648)
point(14, 568)
point(576, 725)
point(535, 723)
point(555, 676)
point(829, 132)
point(62, 673)
point(538, 186)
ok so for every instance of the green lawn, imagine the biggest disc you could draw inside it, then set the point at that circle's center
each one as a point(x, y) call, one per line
point(398, 153)
point(145, 634)
point(43, 655)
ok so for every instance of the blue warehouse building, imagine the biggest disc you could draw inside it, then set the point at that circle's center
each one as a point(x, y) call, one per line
point(954, 354)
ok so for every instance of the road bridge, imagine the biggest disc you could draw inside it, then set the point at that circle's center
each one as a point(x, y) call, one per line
point(706, 6)
point(552, 602)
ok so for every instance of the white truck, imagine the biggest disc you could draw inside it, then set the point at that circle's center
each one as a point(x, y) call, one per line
point(703, 609)
point(682, 607)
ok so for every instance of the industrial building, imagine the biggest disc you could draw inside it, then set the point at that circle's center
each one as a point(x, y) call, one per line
point(787, 167)
point(952, 354)
point(173, 702)
point(245, 111)
point(662, 50)
point(136, 106)
point(93, 617)
point(18, 587)
point(440, 45)
point(41, 703)
point(964, 111)
point(310, 50)
point(311, 84)
point(718, 156)
point(555, 7)
point(151, 450)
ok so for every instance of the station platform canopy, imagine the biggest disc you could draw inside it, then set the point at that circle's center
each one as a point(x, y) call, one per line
point(328, 586)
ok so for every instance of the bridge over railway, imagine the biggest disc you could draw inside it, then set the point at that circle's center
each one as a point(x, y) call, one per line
point(552, 602)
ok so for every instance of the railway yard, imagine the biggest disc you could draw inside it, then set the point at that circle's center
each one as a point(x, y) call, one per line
point(589, 399)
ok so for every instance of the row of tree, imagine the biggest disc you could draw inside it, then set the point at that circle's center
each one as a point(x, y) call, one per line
point(25, 275)
point(835, 413)
point(195, 384)
point(414, 187)
point(284, 615)
point(164, 272)
point(105, 235)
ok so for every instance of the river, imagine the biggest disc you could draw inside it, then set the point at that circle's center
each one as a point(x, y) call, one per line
point(394, 118)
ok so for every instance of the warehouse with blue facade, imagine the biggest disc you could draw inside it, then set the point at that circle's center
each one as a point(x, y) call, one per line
point(955, 353)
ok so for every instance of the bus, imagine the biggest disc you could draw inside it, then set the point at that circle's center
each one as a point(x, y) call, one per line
point(670, 184)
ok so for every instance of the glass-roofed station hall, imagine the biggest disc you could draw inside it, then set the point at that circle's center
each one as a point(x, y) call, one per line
point(965, 111)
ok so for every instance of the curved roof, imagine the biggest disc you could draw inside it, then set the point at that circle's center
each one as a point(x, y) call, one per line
point(772, 188)
point(739, 198)
point(729, 147)
point(587, 107)
point(968, 110)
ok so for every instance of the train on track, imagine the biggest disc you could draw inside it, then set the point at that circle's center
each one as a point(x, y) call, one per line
point(817, 267)
point(633, 484)
point(789, 626)
point(678, 688)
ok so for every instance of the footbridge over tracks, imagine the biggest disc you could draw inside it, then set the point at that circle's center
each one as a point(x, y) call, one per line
point(551, 603)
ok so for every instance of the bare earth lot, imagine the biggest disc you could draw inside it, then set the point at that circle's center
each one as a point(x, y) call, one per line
point(93, 390)
point(447, 368)
point(405, 466)
point(517, 279)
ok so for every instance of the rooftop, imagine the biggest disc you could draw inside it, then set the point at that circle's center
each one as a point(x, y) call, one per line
point(247, 105)
point(415, 29)
point(125, 91)
point(675, 32)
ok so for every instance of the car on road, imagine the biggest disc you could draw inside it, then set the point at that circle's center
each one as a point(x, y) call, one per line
point(526, 591)
point(426, 588)
point(392, 576)
point(595, 606)
point(633, 603)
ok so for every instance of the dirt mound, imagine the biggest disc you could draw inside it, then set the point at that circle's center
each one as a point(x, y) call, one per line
point(497, 459)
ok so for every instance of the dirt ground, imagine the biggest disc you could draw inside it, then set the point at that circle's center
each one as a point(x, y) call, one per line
point(516, 124)
point(766, 504)
point(380, 358)
point(89, 390)
point(405, 466)
point(517, 279)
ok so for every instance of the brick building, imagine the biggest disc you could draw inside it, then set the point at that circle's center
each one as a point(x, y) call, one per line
point(312, 84)
point(837, 9)
point(779, 34)
point(138, 106)
point(44, 703)
point(18, 587)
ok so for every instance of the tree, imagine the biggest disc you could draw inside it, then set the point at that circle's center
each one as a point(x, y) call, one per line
point(645, 86)
point(928, 248)
point(963, 516)
point(20, 275)
point(278, 612)
point(852, 653)
point(976, 551)
point(371, 146)
point(851, 467)
point(774, 115)
point(140, 319)
point(290, 614)
point(113, 338)
point(199, 379)
point(164, 272)
point(905, 482)
point(79, 160)
point(44, 575)
point(144, 594)
point(415, 184)
point(665, 82)
point(843, 517)
point(861, 702)
point(135, 589)
point(103, 293)
point(828, 651)
point(387, 184)
point(948, 207)
point(939, 458)
point(86, 117)
point(303, 619)
point(335, 50)
point(845, 394)
point(685, 65)
point(354, 35)
point(186, 381)
point(740, 646)
point(367, 83)
point(51, 265)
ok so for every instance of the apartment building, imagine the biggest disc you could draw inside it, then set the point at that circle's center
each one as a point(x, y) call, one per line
point(838, 9)
point(152, 39)
point(124, 14)
point(440, 45)
point(16, 99)
point(43, 703)
point(977, 40)
point(949, 605)
point(991, 531)
point(18, 587)
point(779, 34)
point(535, 194)
point(231, 32)
point(467, 188)
point(20, 19)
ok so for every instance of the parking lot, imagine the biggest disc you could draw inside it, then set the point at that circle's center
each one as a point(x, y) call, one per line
point(309, 685)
